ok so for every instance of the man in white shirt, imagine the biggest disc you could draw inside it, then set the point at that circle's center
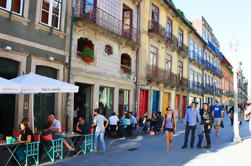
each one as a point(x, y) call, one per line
point(113, 122)
point(56, 125)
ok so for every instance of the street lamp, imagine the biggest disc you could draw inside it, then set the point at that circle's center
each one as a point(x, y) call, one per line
point(234, 45)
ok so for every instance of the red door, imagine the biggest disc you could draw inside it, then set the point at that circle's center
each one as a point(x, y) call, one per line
point(143, 102)
point(177, 102)
point(184, 106)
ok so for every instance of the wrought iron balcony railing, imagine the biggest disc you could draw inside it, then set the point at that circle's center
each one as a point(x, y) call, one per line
point(155, 74)
point(105, 20)
point(172, 43)
point(155, 27)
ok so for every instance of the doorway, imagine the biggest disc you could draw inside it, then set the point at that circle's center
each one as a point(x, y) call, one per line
point(106, 96)
point(123, 102)
point(83, 100)
point(44, 104)
point(143, 102)
point(166, 102)
point(184, 103)
point(155, 105)
point(9, 69)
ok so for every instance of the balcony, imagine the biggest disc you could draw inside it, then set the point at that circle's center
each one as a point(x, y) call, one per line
point(181, 83)
point(195, 59)
point(182, 51)
point(196, 87)
point(172, 43)
point(155, 74)
point(156, 28)
point(104, 20)
point(169, 79)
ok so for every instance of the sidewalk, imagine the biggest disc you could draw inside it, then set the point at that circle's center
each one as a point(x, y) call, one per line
point(150, 150)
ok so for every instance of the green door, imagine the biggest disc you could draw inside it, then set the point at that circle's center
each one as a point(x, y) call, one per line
point(44, 104)
point(8, 69)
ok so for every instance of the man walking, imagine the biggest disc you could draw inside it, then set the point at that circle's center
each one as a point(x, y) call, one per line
point(192, 117)
point(99, 121)
point(217, 112)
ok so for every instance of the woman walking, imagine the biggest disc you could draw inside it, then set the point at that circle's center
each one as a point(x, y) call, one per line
point(169, 123)
point(206, 123)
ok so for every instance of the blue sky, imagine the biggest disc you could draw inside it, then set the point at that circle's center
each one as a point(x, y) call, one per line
point(228, 19)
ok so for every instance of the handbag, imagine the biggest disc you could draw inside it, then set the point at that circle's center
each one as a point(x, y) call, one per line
point(222, 124)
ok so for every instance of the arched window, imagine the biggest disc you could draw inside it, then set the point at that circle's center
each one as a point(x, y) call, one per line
point(85, 49)
point(126, 63)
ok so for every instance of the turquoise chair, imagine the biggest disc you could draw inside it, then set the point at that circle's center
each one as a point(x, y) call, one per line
point(55, 149)
point(87, 143)
point(32, 150)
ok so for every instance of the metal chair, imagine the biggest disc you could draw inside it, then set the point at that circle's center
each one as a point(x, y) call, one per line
point(87, 143)
point(32, 150)
point(56, 148)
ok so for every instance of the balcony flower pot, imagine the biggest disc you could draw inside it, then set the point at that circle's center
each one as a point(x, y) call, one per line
point(87, 55)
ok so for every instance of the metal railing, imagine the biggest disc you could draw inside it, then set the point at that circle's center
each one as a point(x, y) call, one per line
point(155, 27)
point(105, 20)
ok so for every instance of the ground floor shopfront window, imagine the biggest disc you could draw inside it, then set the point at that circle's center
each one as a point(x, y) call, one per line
point(123, 101)
point(106, 96)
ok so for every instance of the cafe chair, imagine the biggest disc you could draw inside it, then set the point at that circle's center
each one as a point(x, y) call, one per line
point(87, 143)
point(32, 150)
point(56, 149)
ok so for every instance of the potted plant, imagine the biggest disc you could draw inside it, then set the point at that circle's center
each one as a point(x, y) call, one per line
point(87, 55)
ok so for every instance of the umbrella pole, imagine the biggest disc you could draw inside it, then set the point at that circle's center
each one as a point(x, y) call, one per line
point(32, 112)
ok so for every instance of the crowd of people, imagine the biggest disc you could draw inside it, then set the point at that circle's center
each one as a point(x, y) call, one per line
point(202, 120)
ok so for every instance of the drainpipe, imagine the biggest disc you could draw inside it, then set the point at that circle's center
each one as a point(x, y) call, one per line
point(69, 71)
point(11, 8)
point(137, 57)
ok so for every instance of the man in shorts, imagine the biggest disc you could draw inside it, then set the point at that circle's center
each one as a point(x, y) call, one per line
point(217, 112)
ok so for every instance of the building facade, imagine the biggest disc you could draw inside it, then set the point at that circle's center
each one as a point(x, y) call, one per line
point(211, 61)
point(163, 58)
point(104, 49)
point(242, 86)
point(32, 39)
point(227, 82)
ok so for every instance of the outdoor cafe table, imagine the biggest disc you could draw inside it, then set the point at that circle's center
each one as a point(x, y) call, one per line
point(14, 145)
point(73, 137)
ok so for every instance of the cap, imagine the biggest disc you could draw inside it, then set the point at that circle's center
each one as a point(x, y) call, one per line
point(217, 100)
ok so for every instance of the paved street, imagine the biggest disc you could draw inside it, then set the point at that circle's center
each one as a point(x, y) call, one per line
point(151, 151)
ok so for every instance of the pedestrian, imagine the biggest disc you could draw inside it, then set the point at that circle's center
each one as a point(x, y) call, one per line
point(143, 122)
point(217, 112)
point(99, 121)
point(113, 122)
point(169, 126)
point(231, 115)
point(56, 125)
point(192, 117)
point(206, 124)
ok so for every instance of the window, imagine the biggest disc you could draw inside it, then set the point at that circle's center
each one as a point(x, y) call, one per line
point(208, 80)
point(191, 79)
point(169, 28)
point(168, 66)
point(180, 39)
point(155, 13)
point(126, 63)
point(127, 21)
point(195, 50)
point(153, 56)
point(17, 6)
point(108, 50)
point(180, 71)
point(85, 49)
point(205, 83)
point(51, 13)
point(199, 52)
point(191, 48)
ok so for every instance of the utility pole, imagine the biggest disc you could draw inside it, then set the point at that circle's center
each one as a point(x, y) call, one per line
point(234, 47)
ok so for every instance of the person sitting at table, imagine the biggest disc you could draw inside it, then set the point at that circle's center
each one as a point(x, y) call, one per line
point(27, 136)
point(83, 127)
point(125, 127)
point(56, 125)
point(48, 135)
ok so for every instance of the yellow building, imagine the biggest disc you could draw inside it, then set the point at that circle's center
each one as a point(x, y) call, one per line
point(163, 60)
